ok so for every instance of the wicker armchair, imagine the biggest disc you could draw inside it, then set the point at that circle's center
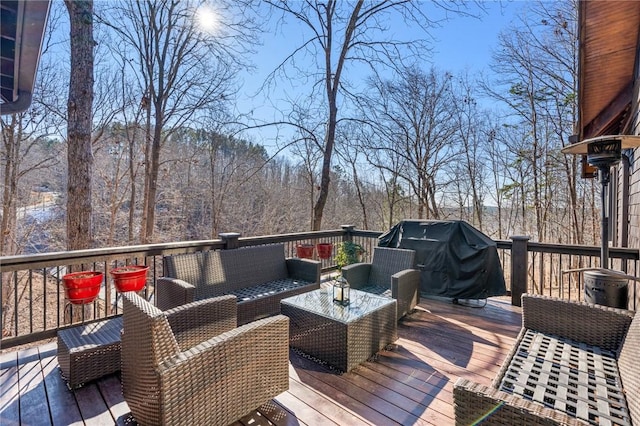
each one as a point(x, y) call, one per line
point(191, 365)
point(573, 363)
point(391, 273)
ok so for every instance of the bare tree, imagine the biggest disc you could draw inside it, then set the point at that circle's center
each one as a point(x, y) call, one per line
point(181, 69)
point(79, 125)
point(392, 199)
point(26, 149)
point(28, 155)
point(497, 162)
point(114, 182)
point(341, 37)
point(557, 25)
point(537, 64)
point(350, 154)
point(470, 169)
point(415, 116)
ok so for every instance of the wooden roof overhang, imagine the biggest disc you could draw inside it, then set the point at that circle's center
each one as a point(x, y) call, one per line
point(609, 38)
point(21, 31)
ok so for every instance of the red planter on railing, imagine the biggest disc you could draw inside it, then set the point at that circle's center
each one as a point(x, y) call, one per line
point(324, 250)
point(82, 287)
point(304, 251)
point(130, 277)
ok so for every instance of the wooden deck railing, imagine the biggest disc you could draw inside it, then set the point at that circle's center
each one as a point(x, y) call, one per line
point(540, 268)
point(33, 306)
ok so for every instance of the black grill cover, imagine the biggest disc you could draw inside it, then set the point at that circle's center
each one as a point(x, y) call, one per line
point(456, 259)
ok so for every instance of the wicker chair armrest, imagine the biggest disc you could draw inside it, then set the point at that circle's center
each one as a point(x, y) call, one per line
point(237, 371)
point(304, 269)
point(405, 285)
point(583, 322)
point(506, 363)
point(196, 322)
point(172, 292)
point(475, 403)
point(357, 274)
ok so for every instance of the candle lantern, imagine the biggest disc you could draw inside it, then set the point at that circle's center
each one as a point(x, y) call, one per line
point(341, 291)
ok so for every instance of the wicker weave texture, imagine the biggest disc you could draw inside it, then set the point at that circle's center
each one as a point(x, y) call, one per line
point(341, 336)
point(630, 370)
point(172, 292)
point(549, 363)
point(215, 382)
point(266, 298)
point(475, 404)
point(388, 261)
point(595, 325)
point(391, 269)
point(258, 276)
point(573, 377)
point(90, 351)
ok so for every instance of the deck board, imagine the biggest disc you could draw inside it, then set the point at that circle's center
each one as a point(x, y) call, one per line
point(9, 395)
point(31, 387)
point(111, 391)
point(63, 407)
point(331, 410)
point(92, 406)
point(410, 382)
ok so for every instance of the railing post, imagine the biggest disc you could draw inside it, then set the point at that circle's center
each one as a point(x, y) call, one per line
point(230, 240)
point(519, 266)
point(348, 229)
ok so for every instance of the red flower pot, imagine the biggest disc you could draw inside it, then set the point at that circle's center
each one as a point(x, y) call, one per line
point(304, 251)
point(82, 287)
point(324, 250)
point(129, 278)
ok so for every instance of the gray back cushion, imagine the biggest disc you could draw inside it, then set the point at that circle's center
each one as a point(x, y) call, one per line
point(222, 271)
point(388, 261)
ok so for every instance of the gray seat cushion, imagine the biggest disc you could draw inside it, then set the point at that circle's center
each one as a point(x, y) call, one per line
point(268, 289)
point(380, 290)
point(573, 377)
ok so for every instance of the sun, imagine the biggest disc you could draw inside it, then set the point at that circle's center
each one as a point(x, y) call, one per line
point(207, 19)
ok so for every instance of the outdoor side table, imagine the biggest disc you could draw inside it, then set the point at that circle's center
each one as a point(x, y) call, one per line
point(89, 351)
point(341, 336)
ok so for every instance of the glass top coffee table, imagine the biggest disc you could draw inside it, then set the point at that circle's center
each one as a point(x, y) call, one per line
point(341, 336)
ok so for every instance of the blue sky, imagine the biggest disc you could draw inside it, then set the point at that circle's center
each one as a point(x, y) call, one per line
point(468, 42)
point(461, 43)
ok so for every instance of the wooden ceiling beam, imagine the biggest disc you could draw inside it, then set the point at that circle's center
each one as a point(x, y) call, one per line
point(609, 114)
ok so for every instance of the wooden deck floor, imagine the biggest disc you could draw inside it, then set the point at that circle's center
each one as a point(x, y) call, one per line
point(410, 384)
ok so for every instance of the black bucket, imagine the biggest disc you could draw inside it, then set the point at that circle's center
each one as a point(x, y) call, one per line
point(605, 289)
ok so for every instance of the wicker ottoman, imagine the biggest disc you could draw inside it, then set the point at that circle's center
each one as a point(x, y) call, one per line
point(89, 351)
point(341, 336)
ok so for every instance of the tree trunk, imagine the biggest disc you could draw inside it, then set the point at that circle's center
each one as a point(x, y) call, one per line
point(363, 206)
point(332, 84)
point(147, 175)
point(11, 143)
point(325, 179)
point(132, 195)
point(152, 173)
point(79, 155)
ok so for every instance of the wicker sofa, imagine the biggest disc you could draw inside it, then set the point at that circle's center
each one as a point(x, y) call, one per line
point(573, 363)
point(391, 273)
point(259, 277)
point(191, 365)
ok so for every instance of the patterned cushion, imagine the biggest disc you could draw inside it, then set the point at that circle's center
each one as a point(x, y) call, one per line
point(268, 289)
point(578, 379)
point(380, 290)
